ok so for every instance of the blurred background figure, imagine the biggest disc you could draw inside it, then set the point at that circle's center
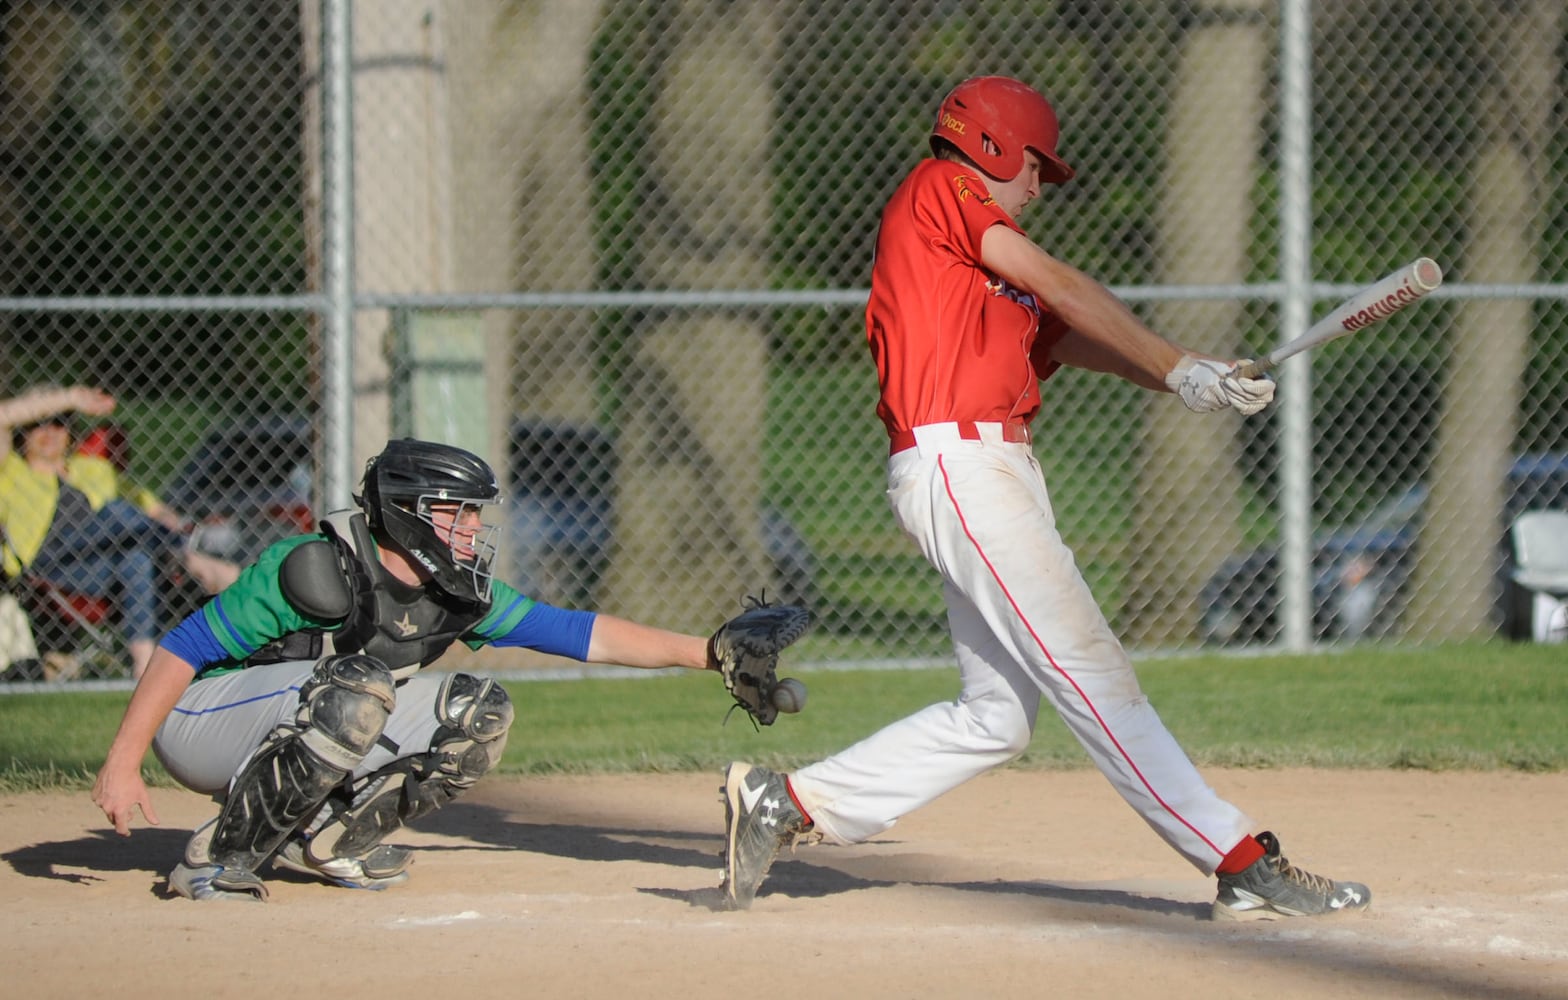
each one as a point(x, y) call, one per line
point(213, 555)
point(215, 551)
point(72, 521)
point(110, 441)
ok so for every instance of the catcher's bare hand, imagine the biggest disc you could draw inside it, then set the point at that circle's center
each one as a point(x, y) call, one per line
point(120, 795)
point(745, 652)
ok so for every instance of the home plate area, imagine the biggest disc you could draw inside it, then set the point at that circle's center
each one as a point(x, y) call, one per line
point(1020, 883)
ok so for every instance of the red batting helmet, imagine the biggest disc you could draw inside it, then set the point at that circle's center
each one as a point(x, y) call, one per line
point(1011, 115)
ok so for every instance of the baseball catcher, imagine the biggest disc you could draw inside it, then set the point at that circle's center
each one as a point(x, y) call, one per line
point(297, 697)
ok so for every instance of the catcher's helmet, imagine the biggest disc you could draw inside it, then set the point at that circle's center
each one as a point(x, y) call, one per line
point(992, 119)
point(403, 485)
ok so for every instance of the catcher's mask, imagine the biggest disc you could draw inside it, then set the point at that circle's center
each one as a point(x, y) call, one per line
point(429, 499)
point(993, 119)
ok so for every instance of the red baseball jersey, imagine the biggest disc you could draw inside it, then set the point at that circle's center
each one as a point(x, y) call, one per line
point(951, 341)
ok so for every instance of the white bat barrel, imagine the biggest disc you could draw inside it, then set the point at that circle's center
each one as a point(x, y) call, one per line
point(1372, 304)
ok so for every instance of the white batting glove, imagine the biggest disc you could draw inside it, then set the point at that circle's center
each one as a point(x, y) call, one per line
point(1205, 386)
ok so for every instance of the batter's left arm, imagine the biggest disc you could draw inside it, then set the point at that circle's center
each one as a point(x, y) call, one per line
point(1103, 333)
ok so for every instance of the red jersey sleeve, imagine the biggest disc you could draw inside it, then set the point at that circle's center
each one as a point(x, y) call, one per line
point(960, 210)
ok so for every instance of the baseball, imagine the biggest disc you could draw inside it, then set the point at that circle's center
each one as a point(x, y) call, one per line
point(790, 695)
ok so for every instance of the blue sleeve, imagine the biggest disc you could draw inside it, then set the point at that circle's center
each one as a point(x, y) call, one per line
point(193, 641)
point(551, 630)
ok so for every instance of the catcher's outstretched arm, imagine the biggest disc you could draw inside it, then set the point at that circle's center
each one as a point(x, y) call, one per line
point(630, 644)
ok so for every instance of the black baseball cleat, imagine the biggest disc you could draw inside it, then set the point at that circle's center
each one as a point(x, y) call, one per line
point(760, 818)
point(1272, 887)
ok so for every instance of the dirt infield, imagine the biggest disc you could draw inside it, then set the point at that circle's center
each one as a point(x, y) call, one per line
point(1022, 883)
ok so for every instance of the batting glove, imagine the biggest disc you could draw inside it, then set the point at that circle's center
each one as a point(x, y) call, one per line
point(1205, 386)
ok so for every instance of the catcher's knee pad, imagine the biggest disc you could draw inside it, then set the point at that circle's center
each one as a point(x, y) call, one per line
point(475, 715)
point(476, 708)
point(344, 706)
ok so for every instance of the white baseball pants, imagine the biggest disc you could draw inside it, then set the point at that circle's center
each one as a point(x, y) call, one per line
point(1024, 625)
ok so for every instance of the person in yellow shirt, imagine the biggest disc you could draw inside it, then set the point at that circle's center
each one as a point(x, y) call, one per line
point(72, 520)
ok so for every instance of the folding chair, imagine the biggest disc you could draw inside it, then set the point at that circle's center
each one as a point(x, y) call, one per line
point(74, 633)
point(1538, 580)
point(18, 649)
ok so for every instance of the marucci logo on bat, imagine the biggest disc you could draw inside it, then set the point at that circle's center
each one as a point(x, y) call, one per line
point(1392, 293)
point(1383, 308)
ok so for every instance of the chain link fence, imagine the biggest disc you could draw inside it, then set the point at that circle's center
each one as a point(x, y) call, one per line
point(621, 249)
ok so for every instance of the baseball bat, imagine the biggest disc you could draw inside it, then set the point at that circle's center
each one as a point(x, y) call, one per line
point(1374, 303)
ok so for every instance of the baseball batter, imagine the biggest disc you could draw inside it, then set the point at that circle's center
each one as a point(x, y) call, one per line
point(966, 318)
point(295, 696)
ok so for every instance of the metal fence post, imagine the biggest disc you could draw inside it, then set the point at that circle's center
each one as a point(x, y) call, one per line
point(1295, 459)
point(337, 259)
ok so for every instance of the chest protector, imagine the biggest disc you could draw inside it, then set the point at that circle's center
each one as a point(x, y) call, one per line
point(340, 577)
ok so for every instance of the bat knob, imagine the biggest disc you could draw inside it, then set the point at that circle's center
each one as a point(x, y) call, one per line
point(1249, 368)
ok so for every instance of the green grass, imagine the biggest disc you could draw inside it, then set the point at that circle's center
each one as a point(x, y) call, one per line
point(1479, 706)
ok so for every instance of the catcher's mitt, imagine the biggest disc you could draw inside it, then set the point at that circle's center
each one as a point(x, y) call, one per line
point(745, 651)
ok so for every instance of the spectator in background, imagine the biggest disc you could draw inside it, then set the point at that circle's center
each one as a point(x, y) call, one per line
point(213, 556)
point(110, 441)
point(73, 520)
point(216, 551)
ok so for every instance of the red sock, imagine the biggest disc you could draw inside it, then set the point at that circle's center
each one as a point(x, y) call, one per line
point(1240, 857)
point(805, 815)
